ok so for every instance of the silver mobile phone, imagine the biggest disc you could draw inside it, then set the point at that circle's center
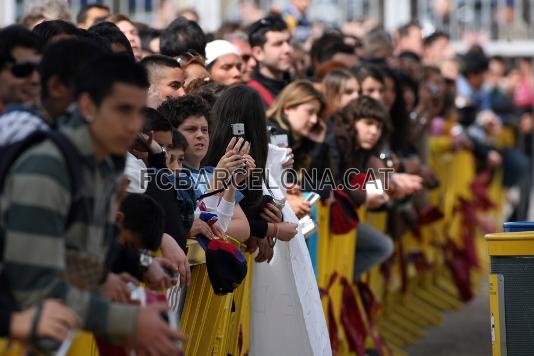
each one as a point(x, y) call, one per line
point(238, 130)
point(312, 198)
point(307, 226)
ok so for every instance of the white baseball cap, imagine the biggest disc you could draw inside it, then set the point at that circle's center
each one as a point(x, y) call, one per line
point(218, 48)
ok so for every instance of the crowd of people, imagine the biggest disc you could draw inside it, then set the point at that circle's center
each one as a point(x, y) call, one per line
point(123, 145)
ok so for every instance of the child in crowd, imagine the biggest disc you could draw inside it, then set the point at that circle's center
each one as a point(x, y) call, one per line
point(363, 127)
point(140, 220)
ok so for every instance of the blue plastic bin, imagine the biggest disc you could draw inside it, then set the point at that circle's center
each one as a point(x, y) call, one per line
point(516, 226)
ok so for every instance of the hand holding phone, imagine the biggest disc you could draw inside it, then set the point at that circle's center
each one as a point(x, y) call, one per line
point(374, 187)
point(238, 130)
point(307, 226)
point(312, 198)
point(318, 132)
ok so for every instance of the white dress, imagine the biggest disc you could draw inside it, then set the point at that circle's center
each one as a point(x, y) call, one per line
point(286, 312)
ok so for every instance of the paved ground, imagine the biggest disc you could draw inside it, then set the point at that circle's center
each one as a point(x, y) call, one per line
point(463, 333)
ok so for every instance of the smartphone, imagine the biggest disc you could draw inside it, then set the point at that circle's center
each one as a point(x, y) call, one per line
point(307, 226)
point(312, 198)
point(374, 187)
point(238, 130)
point(316, 127)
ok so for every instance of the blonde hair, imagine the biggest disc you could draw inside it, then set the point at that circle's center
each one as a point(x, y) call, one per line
point(297, 93)
point(333, 86)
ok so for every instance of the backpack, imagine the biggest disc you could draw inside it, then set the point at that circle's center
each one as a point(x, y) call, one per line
point(11, 152)
point(8, 155)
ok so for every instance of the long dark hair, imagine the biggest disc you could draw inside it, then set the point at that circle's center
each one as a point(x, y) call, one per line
point(239, 104)
point(363, 107)
point(400, 120)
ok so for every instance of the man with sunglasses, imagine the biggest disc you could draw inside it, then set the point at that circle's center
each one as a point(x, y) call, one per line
point(269, 39)
point(60, 63)
point(19, 58)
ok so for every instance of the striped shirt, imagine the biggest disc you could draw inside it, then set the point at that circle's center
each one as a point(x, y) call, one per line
point(43, 258)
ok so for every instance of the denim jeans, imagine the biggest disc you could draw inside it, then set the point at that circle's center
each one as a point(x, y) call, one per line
point(372, 248)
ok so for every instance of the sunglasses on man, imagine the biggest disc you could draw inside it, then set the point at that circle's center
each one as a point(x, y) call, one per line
point(23, 69)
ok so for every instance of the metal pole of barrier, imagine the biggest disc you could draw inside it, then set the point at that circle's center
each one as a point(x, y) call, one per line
point(486, 18)
point(453, 21)
point(500, 24)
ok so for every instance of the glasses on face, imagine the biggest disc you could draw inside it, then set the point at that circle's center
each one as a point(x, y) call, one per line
point(23, 69)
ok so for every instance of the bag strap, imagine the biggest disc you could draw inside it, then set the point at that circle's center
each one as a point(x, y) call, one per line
point(72, 159)
point(264, 93)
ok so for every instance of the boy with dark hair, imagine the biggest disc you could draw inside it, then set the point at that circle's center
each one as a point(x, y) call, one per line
point(70, 233)
point(129, 30)
point(182, 36)
point(436, 47)
point(269, 39)
point(140, 219)
point(165, 76)
point(19, 58)
point(340, 52)
point(90, 14)
point(53, 30)
point(178, 110)
point(149, 37)
point(115, 38)
point(189, 115)
point(151, 149)
point(59, 67)
point(176, 152)
point(159, 126)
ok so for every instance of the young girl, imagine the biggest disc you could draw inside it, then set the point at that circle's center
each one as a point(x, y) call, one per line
point(339, 87)
point(298, 113)
point(289, 275)
point(363, 127)
point(242, 105)
point(371, 80)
